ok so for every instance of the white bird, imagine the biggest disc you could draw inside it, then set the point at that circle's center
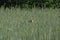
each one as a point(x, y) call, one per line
point(31, 19)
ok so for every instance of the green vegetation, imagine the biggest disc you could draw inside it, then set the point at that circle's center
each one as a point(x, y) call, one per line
point(30, 3)
point(15, 25)
point(38, 3)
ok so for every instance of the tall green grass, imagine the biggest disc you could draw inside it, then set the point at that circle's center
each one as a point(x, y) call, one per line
point(15, 25)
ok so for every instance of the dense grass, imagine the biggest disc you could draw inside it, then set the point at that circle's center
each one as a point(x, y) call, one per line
point(15, 25)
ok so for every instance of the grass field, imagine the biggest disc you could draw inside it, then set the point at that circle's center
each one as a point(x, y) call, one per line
point(17, 24)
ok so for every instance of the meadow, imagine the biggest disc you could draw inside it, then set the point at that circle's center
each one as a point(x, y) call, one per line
point(17, 24)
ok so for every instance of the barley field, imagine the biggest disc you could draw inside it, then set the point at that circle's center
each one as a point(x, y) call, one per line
point(29, 24)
